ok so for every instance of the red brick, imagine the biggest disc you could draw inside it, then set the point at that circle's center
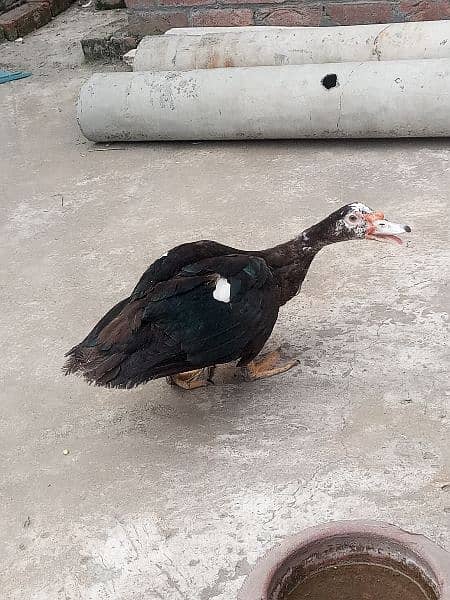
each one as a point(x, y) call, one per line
point(425, 10)
point(6, 5)
point(59, 6)
point(359, 13)
point(151, 22)
point(290, 16)
point(212, 4)
point(56, 6)
point(246, 2)
point(25, 19)
point(222, 17)
point(142, 4)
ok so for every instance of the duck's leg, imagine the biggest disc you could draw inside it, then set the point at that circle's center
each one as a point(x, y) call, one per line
point(267, 365)
point(191, 380)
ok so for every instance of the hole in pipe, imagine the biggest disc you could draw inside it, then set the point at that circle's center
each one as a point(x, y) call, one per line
point(330, 81)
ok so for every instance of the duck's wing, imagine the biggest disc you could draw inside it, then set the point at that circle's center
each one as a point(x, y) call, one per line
point(234, 303)
point(162, 269)
point(212, 311)
point(175, 260)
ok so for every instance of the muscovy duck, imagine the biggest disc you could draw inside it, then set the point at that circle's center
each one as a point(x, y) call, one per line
point(204, 304)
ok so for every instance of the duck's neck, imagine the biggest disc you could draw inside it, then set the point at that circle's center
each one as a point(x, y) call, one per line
point(290, 261)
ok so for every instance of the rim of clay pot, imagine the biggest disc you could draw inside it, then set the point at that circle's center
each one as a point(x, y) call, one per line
point(265, 581)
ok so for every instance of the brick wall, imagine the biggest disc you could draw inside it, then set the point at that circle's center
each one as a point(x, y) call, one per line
point(24, 16)
point(156, 16)
point(9, 4)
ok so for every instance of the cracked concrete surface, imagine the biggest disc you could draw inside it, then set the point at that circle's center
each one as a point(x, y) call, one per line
point(170, 495)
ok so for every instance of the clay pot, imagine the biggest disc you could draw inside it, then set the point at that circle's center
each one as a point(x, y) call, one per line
point(331, 544)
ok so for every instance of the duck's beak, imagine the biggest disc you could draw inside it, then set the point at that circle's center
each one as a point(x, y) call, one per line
point(382, 230)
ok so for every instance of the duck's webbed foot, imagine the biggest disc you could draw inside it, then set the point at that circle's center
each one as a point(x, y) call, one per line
point(267, 365)
point(191, 380)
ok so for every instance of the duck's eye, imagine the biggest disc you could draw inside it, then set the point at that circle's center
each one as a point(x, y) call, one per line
point(353, 218)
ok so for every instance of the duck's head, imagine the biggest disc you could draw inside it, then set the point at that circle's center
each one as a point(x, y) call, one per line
point(358, 222)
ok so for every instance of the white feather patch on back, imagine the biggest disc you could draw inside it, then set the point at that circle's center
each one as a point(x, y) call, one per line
point(222, 290)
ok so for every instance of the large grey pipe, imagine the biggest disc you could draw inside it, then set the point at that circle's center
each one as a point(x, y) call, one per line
point(377, 99)
point(255, 47)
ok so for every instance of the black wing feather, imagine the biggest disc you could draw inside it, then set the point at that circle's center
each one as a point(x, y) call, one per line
point(168, 266)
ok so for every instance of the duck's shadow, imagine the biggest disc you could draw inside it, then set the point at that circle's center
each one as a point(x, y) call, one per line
point(228, 406)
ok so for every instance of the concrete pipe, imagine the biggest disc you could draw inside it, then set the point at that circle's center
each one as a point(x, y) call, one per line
point(377, 99)
point(293, 46)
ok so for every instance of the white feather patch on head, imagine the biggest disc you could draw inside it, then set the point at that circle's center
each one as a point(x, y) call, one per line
point(361, 207)
point(222, 291)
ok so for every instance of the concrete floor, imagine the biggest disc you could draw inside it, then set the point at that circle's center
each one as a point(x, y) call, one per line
point(170, 495)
